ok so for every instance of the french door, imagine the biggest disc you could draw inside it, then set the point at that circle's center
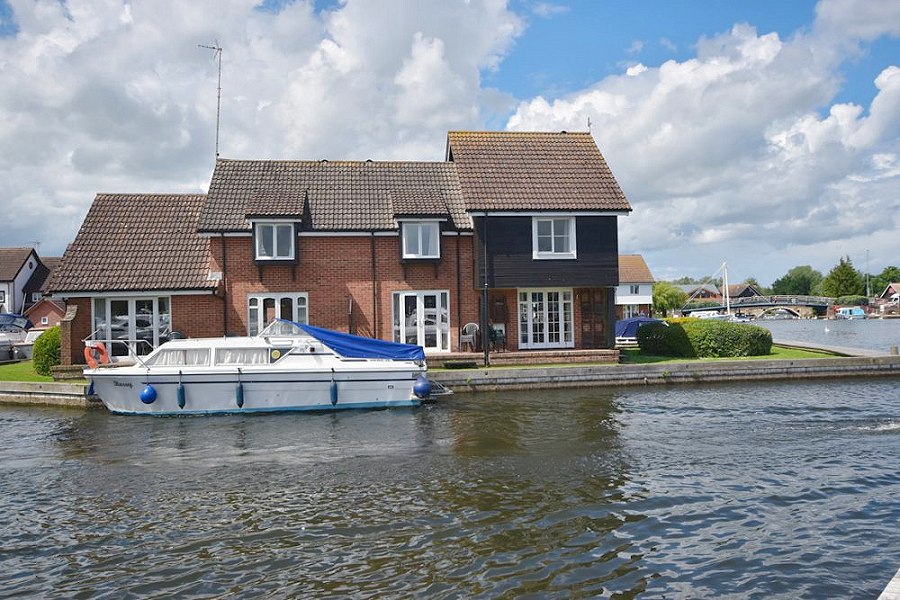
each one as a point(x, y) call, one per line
point(263, 308)
point(423, 319)
point(135, 325)
point(545, 319)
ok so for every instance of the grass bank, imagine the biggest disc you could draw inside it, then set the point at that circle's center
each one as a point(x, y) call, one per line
point(22, 371)
point(634, 357)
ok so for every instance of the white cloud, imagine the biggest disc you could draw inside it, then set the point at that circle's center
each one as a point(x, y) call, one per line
point(726, 155)
point(115, 95)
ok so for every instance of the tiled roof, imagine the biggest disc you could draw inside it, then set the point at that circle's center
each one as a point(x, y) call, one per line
point(418, 203)
point(633, 269)
point(11, 261)
point(51, 262)
point(533, 171)
point(136, 242)
point(339, 195)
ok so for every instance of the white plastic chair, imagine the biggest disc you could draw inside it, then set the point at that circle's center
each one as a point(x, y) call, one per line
point(469, 335)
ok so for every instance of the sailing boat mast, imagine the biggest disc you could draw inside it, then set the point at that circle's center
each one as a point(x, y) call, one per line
point(725, 285)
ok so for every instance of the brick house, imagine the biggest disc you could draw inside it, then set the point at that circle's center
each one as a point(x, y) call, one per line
point(404, 251)
point(634, 296)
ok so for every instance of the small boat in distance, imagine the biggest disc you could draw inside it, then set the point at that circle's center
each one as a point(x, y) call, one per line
point(287, 367)
point(850, 313)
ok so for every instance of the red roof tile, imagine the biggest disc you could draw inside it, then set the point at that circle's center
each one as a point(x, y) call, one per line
point(136, 242)
point(633, 269)
point(330, 195)
point(533, 171)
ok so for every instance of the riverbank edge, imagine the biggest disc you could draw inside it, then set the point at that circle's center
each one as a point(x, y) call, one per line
point(693, 372)
point(522, 377)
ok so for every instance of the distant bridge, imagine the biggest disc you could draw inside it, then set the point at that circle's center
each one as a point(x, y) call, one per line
point(796, 305)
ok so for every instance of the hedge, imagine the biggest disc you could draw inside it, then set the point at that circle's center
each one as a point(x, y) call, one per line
point(704, 338)
point(45, 353)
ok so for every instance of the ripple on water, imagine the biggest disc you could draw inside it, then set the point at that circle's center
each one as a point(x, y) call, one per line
point(746, 491)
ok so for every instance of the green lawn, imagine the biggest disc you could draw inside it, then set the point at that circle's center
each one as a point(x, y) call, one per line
point(634, 356)
point(21, 371)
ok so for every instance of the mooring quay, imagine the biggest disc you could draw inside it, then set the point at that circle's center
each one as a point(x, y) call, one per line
point(847, 362)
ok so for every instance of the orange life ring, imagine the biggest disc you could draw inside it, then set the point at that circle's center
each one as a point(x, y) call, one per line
point(102, 355)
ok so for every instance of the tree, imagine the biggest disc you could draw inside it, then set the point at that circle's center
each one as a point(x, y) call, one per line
point(844, 280)
point(666, 297)
point(799, 281)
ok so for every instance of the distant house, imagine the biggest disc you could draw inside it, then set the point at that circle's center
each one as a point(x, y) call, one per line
point(403, 251)
point(22, 274)
point(743, 290)
point(700, 291)
point(634, 295)
point(891, 292)
point(46, 313)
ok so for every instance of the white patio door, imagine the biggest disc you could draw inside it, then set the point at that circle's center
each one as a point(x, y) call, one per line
point(423, 319)
point(545, 319)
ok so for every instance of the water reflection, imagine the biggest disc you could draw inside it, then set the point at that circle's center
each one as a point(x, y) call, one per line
point(697, 491)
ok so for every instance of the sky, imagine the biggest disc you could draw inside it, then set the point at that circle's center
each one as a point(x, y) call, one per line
point(763, 134)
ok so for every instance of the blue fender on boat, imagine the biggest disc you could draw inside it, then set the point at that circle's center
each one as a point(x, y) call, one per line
point(240, 395)
point(422, 387)
point(180, 395)
point(148, 394)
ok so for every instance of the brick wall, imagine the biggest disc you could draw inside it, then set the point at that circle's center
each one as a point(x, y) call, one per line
point(335, 271)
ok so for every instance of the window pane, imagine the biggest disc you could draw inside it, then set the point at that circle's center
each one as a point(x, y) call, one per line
point(544, 228)
point(165, 320)
point(265, 244)
point(429, 239)
point(285, 241)
point(287, 308)
point(561, 235)
point(301, 316)
point(100, 319)
point(411, 239)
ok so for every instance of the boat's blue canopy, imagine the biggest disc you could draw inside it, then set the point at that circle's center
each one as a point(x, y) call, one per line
point(628, 328)
point(12, 320)
point(355, 346)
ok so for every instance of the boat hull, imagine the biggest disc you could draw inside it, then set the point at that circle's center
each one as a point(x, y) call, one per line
point(125, 392)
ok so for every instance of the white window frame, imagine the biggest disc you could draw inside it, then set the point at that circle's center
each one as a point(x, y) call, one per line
point(2, 296)
point(45, 320)
point(414, 228)
point(634, 290)
point(525, 316)
point(103, 326)
point(275, 226)
point(256, 304)
point(569, 254)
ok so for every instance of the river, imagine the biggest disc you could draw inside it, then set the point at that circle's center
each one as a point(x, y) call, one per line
point(871, 334)
point(784, 490)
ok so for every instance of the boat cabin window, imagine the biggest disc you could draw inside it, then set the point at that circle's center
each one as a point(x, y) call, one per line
point(190, 357)
point(242, 356)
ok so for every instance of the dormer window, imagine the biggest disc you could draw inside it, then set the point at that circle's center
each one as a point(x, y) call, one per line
point(421, 239)
point(553, 238)
point(275, 241)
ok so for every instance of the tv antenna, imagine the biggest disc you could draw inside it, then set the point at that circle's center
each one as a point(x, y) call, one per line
point(217, 49)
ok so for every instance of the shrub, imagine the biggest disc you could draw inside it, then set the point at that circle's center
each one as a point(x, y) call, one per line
point(852, 301)
point(659, 339)
point(704, 338)
point(46, 351)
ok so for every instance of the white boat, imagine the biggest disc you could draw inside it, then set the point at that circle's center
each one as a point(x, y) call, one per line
point(287, 367)
point(850, 313)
